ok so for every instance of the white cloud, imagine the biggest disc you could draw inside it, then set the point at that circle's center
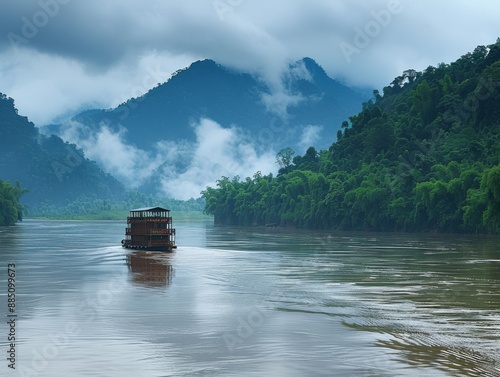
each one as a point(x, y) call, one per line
point(50, 88)
point(125, 162)
point(299, 71)
point(279, 101)
point(281, 97)
point(310, 136)
point(185, 168)
point(218, 152)
point(95, 54)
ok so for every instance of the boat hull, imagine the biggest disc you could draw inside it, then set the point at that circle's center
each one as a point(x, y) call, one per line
point(167, 248)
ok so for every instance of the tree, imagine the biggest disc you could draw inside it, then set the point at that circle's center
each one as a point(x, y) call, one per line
point(410, 74)
point(10, 209)
point(284, 158)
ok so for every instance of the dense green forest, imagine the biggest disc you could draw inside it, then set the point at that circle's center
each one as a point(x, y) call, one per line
point(422, 156)
point(11, 210)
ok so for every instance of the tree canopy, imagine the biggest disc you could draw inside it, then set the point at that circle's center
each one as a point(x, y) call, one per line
point(424, 156)
point(10, 209)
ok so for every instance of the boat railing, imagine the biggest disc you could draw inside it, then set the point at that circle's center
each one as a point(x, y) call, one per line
point(152, 231)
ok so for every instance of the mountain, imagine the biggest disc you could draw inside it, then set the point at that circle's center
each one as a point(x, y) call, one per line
point(424, 156)
point(51, 169)
point(157, 134)
point(209, 90)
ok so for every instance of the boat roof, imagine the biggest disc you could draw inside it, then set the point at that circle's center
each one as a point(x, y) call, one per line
point(154, 209)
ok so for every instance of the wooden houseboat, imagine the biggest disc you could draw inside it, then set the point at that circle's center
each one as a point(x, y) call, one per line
point(149, 229)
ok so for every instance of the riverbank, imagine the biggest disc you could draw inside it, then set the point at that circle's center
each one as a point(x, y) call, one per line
point(118, 215)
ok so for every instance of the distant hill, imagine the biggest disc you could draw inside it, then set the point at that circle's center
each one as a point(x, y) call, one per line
point(52, 170)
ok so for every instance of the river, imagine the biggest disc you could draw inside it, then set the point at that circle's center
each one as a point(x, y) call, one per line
point(249, 302)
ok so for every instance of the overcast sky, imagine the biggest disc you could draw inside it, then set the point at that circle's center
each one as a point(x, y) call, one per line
point(59, 56)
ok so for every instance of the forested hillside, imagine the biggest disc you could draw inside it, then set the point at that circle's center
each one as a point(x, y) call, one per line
point(53, 171)
point(422, 156)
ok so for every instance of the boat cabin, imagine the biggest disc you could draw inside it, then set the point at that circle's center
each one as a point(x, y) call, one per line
point(149, 229)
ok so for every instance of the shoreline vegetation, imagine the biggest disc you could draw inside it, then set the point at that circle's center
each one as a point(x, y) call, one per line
point(86, 208)
point(11, 211)
point(118, 215)
point(422, 157)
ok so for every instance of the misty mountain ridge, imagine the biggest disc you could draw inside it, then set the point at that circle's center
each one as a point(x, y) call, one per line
point(165, 130)
point(205, 89)
point(51, 169)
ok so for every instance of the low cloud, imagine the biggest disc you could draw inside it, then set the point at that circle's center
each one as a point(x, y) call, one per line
point(184, 169)
point(218, 152)
point(310, 136)
point(282, 97)
point(278, 102)
point(108, 148)
point(56, 88)
point(92, 53)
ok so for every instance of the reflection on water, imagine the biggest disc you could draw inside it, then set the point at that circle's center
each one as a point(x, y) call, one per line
point(150, 268)
point(252, 302)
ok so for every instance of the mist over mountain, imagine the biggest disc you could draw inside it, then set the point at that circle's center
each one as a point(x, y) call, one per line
point(51, 169)
point(208, 120)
